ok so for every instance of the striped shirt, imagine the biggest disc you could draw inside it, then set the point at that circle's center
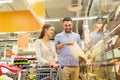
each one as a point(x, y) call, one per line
point(65, 56)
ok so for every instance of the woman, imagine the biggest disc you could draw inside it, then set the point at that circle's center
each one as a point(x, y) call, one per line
point(45, 49)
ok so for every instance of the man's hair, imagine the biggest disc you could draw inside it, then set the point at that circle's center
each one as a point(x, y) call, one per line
point(67, 19)
point(98, 18)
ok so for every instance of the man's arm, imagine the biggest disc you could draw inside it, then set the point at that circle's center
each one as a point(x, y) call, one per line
point(58, 45)
point(79, 41)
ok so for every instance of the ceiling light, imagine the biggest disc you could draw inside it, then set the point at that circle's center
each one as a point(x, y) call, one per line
point(12, 39)
point(32, 1)
point(79, 18)
point(6, 1)
point(3, 32)
point(19, 32)
point(1, 39)
point(51, 20)
point(75, 7)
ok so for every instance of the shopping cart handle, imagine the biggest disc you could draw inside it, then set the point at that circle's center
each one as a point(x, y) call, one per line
point(61, 67)
point(25, 67)
point(42, 67)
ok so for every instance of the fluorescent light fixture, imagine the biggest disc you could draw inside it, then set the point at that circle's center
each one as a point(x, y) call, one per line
point(32, 1)
point(84, 18)
point(3, 32)
point(42, 20)
point(52, 20)
point(12, 39)
point(6, 1)
point(105, 16)
point(19, 32)
point(1, 39)
point(79, 18)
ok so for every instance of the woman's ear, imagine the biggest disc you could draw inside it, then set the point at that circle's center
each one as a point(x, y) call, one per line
point(45, 30)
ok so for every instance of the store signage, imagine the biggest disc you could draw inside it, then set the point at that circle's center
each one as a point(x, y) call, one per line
point(23, 40)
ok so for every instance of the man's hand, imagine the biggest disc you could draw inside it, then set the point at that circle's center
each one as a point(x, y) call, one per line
point(82, 59)
point(59, 46)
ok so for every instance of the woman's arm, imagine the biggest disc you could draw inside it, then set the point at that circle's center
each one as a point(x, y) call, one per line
point(38, 51)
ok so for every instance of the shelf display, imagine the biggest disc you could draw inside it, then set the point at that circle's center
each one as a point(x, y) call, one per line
point(106, 64)
point(21, 61)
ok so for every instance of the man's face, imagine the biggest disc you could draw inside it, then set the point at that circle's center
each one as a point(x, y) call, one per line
point(99, 25)
point(67, 25)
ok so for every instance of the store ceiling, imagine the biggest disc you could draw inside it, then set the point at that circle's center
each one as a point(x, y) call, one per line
point(14, 6)
point(57, 9)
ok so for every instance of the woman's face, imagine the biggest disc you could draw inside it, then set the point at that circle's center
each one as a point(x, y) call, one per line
point(50, 31)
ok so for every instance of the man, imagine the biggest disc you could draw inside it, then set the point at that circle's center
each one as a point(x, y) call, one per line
point(99, 34)
point(65, 56)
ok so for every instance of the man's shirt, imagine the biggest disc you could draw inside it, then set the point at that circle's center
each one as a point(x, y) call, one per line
point(65, 56)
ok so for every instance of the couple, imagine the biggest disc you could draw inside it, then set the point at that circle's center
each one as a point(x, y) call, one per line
point(46, 50)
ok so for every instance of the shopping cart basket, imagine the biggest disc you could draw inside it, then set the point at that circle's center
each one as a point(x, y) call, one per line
point(40, 73)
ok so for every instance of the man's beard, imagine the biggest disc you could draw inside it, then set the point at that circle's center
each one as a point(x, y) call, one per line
point(68, 31)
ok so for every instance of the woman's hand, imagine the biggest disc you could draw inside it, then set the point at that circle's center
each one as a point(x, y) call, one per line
point(54, 65)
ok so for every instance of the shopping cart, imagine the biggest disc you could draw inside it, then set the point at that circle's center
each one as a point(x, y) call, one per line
point(9, 71)
point(39, 73)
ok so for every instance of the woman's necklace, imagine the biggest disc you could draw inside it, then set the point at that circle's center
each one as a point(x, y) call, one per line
point(48, 45)
point(49, 48)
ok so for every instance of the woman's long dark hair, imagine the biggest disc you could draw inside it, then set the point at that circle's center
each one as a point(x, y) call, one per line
point(45, 26)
